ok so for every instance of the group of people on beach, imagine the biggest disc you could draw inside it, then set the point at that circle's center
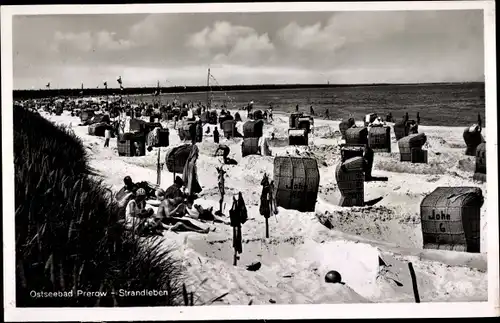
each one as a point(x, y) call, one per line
point(175, 203)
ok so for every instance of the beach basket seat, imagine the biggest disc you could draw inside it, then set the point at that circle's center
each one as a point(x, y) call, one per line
point(86, 116)
point(223, 118)
point(158, 138)
point(350, 179)
point(379, 139)
point(185, 129)
point(350, 151)
point(298, 137)
point(293, 120)
point(450, 218)
point(257, 115)
point(304, 123)
point(472, 139)
point(401, 129)
point(204, 117)
point(149, 126)
point(177, 157)
point(296, 182)
point(410, 148)
point(98, 129)
point(356, 136)
point(250, 146)
point(480, 171)
point(369, 118)
point(253, 129)
point(412, 127)
point(229, 128)
point(346, 124)
point(212, 117)
point(126, 143)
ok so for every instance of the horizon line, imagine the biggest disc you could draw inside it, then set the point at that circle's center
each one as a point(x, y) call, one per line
point(255, 85)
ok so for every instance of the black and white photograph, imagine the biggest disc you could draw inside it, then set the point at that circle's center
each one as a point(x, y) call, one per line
point(205, 155)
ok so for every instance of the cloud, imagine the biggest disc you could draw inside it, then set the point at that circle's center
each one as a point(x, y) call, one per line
point(228, 43)
point(88, 41)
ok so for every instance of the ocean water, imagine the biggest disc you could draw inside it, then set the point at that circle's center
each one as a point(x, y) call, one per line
point(438, 104)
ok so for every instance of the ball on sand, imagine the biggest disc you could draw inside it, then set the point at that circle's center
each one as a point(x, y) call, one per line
point(333, 277)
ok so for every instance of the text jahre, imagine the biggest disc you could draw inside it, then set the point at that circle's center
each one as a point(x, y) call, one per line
point(439, 216)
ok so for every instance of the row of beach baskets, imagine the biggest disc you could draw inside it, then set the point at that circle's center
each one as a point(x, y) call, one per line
point(142, 135)
point(450, 216)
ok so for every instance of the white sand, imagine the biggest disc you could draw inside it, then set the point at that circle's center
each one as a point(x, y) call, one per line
point(301, 250)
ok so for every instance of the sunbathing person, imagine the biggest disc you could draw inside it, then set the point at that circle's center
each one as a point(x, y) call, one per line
point(171, 210)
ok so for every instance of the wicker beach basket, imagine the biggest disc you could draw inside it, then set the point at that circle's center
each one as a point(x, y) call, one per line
point(258, 115)
point(176, 158)
point(410, 148)
point(126, 144)
point(86, 116)
point(379, 139)
point(229, 128)
point(450, 218)
point(158, 138)
point(293, 120)
point(98, 129)
point(480, 171)
point(350, 181)
point(346, 124)
point(369, 118)
point(253, 129)
point(472, 140)
point(297, 182)
point(250, 146)
point(298, 137)
point(401, 129)
point(304, 123)
point(356, 136)
point(148, 126)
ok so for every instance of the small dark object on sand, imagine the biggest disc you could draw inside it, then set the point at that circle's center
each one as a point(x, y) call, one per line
point(333, 277)
point(272, 301)
point(254, 267)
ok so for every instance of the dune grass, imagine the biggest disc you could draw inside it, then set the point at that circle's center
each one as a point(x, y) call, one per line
point(67, 236)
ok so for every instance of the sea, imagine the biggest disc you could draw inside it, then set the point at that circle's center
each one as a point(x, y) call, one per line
point(455, 104)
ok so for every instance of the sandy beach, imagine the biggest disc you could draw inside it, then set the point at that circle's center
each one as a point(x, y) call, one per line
point(369, 246)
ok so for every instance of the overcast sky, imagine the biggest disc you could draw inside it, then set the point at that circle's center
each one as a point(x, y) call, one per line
point(248, 48)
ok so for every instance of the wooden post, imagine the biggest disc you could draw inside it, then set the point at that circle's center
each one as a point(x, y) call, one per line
point(158, 168)
point(235, 258)
point(267, 227)
point(414, 282)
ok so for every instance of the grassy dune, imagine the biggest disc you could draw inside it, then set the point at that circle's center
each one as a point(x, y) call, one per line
point(67, 238)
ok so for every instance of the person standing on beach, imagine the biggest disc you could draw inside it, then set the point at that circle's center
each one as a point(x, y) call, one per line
point(199, 131)
point(311, 111)
point(216, 135)
point(297, 108)
point(270, 113)
point(107, 136)
point(327, 113)
point(190, 174)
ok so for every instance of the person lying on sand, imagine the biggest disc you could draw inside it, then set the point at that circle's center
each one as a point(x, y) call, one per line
point(170, 213)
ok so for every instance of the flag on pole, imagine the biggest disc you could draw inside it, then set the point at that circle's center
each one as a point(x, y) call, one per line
point(119, 80)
